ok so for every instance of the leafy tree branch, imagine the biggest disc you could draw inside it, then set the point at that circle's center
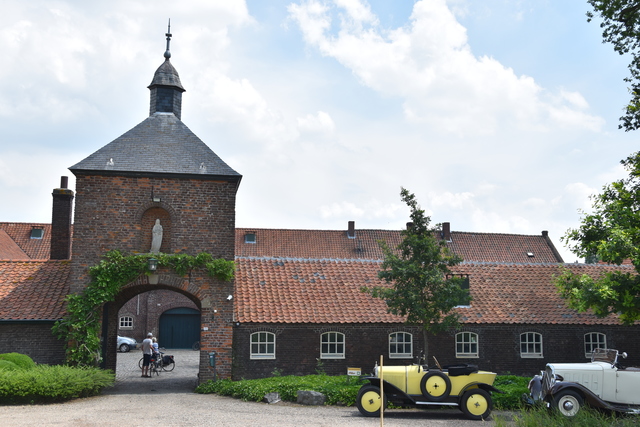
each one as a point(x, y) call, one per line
point(611, 233)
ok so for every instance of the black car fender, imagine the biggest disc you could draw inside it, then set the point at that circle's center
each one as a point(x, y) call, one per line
point(590, 397)
point(387, 386)
point(483, 386)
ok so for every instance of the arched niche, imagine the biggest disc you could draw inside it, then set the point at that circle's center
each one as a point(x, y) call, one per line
point(147, 222)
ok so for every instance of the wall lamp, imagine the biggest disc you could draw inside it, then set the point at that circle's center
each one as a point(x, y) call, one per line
point(152, 264)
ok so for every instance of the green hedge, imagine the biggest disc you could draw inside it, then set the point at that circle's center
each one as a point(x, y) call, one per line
point(513, 387)
point(24, 382)
point(340, 390)
point(21, 360)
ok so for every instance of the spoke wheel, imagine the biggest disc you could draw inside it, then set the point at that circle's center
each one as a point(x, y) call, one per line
point(140, 362)
point(369, 401)
point(568, 403)
point(169, 367)
point(476, 404)
point(435, 386)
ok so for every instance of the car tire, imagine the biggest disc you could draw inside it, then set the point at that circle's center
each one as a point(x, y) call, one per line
point(435, 386)
point(368, 401)
point(568, 403)
point(124, 348)
point(476, 404)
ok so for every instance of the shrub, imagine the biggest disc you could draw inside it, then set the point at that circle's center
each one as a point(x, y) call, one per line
point(21, 360)
point(45, 384)
point(7, 365)
point(339, 390)
point(513, 387)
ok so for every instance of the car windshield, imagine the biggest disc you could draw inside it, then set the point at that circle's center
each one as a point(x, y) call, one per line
point(604, 355)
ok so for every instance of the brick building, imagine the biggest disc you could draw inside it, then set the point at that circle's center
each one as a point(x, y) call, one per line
point(295, 305)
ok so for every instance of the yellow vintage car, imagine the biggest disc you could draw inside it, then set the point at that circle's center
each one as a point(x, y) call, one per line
point(462, 386)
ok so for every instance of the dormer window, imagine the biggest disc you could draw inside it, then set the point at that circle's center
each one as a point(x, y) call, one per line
point(250, 238)
point(37, 233)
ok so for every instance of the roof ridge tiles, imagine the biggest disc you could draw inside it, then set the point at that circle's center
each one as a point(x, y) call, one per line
point(336, 260)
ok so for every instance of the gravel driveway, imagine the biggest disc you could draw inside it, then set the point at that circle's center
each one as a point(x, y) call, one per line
point(168, 400)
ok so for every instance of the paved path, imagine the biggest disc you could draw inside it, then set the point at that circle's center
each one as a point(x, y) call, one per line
point(183, 379)
point(168, 400)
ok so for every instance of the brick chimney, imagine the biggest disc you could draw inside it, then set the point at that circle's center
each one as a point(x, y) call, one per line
point(61, 221)
point(446, 231)
point(351, 230)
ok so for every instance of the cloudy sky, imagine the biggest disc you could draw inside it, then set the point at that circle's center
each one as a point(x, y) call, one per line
point(501, 115)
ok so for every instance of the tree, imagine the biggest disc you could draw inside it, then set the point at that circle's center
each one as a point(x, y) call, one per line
point(610, 234)
point(422, 286)
point(621, 28)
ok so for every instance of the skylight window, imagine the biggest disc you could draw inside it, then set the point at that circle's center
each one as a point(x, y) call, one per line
point(37, 233)
point(530, 254)
point(250, 238)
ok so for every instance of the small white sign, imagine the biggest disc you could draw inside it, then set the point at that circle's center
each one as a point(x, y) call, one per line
point(354, 371)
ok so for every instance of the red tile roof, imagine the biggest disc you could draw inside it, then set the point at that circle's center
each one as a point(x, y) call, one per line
point(20, 233)
point(278, 290)
point(9, 250)
point(33, 290)
point(334, 244)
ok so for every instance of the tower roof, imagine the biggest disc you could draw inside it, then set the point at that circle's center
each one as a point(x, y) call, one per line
point(166, 75)
point(160, 145)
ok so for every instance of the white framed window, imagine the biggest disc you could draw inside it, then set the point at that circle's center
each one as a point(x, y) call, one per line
point(400, 345)
point(593, 340)
point(466, 345)
point(250, 238)
point(263, 345)
point(332, 345)
point(36, 233)
point(531, 345)
point(126, 322)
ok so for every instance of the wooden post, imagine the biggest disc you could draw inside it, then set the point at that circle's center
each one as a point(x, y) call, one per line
point(381, 393)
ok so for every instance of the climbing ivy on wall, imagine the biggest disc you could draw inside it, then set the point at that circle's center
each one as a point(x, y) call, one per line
point(80, 328)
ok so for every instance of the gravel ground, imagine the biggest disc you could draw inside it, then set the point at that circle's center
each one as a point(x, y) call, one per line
point(168, 400)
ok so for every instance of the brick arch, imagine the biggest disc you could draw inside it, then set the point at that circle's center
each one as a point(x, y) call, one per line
point(169, 282)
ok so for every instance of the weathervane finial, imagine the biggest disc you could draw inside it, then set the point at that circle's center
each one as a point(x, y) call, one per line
point(167, 53)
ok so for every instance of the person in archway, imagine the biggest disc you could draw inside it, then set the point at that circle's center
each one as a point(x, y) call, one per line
point(156, 347)
point(147, 351)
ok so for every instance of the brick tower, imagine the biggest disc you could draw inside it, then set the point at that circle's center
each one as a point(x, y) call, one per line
point(160, 171)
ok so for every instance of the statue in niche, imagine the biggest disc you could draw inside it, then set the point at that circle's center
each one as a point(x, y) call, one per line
point(156, 240)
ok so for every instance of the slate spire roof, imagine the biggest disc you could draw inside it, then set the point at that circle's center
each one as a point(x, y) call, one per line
point(162, 145)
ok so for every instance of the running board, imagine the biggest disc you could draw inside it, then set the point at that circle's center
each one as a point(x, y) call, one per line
point(437, 403)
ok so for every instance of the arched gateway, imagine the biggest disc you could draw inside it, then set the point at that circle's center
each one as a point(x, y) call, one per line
point(160, 174)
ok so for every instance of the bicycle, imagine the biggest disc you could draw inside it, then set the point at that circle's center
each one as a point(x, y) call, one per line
point(162, 363)
point(196, 346)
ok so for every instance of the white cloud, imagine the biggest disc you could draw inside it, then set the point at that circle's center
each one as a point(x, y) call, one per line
point(430, 65)
point(321, 122)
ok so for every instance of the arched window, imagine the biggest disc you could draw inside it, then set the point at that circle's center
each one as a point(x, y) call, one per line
point(400, 345)
point(531, 345)
point(126, 322)
point(332, 345)
point(593, 340)
point(466, 344)
point(263, 345)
